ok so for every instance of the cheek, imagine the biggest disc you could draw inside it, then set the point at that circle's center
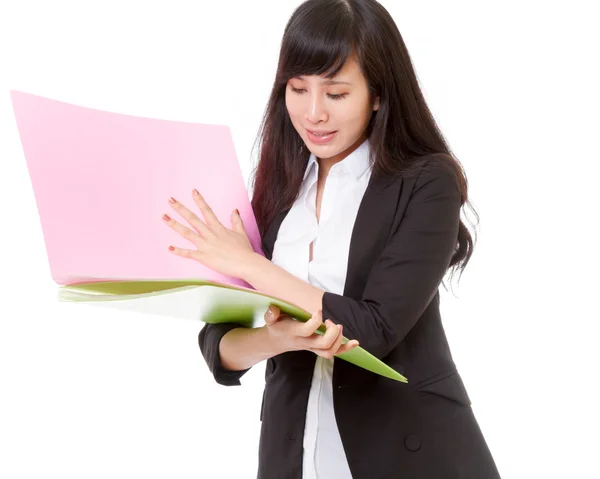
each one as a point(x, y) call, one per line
point(353, 114)
point(293, 106)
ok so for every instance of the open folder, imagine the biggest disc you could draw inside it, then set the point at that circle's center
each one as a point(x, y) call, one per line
point(101, 182)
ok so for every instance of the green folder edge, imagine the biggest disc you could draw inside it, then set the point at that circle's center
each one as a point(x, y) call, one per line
point(242, 314)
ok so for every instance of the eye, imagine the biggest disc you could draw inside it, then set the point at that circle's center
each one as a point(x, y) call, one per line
point(340, 96)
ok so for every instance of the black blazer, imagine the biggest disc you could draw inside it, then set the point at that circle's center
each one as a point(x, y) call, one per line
point(403, 239)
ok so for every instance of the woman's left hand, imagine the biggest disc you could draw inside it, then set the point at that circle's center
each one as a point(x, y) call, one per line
point(224, 250)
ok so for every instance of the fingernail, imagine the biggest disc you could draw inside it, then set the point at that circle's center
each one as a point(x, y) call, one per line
point(196, 192)
point(237, 212)
point(172, 200)
point(270, 311)
point(166, 218)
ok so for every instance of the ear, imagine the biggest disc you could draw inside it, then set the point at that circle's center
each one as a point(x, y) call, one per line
point(376, 104)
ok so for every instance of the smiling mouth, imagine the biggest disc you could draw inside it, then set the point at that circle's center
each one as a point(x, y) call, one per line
point(324, 133)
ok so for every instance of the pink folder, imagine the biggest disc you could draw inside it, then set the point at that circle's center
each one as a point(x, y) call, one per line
point(102, 181)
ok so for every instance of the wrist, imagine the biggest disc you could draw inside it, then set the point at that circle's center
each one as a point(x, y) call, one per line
point(273, 345)
point(249, 266)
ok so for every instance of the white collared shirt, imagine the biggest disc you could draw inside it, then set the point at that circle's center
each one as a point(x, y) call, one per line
point(346, 183)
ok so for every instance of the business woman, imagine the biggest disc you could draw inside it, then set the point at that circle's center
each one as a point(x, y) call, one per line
point(357, 197)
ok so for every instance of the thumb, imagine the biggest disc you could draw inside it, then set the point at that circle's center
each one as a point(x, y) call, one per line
point(272, 314)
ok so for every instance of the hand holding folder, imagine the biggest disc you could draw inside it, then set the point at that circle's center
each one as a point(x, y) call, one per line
point(101, 181)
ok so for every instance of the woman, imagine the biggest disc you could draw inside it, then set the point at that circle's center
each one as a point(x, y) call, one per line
point(358, 199)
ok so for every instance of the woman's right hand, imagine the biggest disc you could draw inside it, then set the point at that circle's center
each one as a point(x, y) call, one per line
point(289, 334)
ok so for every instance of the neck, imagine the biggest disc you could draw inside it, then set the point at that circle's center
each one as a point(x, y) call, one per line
point(325, 164)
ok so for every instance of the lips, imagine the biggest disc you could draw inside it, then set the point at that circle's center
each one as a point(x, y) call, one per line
point(321, 133)
point(320, 138)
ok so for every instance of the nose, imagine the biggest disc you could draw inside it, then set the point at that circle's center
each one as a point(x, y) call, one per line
point(316, 110)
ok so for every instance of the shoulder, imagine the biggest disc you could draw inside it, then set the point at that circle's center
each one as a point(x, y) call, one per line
point(435, 166)
point(428, 182)
point(434, 174)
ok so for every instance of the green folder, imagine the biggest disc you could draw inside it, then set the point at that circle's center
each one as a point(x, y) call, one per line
point(207, 301)
point(101, 182)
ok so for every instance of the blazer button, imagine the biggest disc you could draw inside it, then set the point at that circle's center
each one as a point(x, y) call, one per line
point(412, 442)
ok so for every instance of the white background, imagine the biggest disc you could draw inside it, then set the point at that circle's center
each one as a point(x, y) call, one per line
point(86, 394)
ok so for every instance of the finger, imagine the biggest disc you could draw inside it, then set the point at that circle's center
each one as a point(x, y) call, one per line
point(331, 351)
point(191, 217)
point(319, 352)
point(184, 231)
point(207, 212)
point(337, 348)
point(309, 327)
point(326, 340)
point(338, 341)
point(185, 253)
point(344, 348)
point(237, 223)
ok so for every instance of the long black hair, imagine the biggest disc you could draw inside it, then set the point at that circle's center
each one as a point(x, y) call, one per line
point(319, 38)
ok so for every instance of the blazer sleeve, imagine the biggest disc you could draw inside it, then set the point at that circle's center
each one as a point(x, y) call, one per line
point(209, 338)
point(406, 276)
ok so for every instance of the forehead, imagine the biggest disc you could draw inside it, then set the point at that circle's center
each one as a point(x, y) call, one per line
point(350, 70)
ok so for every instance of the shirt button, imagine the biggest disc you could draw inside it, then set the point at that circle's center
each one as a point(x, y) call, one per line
point(412, 442)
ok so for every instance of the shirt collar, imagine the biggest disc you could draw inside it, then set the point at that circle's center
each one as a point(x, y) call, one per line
point(356, 162)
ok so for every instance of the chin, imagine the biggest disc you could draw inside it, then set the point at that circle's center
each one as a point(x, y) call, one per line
point(324, 151)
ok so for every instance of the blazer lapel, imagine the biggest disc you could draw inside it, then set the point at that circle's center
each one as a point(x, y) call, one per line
point(371, 231)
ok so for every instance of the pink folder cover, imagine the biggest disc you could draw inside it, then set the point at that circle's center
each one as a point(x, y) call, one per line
point(102, 181)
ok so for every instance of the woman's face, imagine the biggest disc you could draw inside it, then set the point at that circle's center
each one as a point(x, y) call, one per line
point(338, 108)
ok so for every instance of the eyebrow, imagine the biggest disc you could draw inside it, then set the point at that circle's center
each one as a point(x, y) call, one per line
point(327, 82)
